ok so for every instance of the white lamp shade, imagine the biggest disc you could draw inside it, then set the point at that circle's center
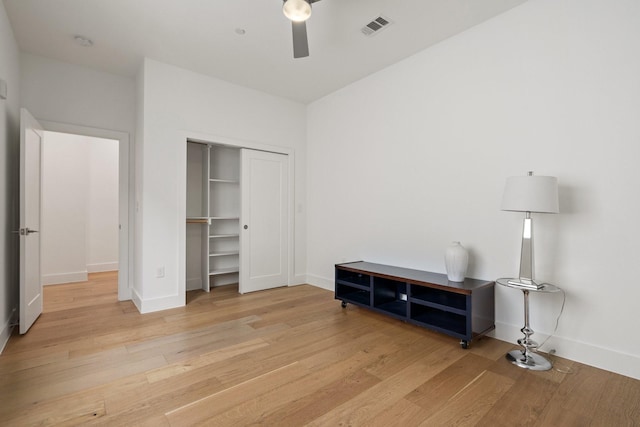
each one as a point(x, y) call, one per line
point(297, 10)
point(531, 193)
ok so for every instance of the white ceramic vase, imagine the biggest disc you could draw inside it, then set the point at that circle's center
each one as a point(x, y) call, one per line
point(456, 259)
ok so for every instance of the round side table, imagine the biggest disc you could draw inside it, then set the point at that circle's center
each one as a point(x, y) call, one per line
point(527, 357)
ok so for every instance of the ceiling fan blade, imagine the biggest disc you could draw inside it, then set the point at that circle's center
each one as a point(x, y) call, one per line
point(300, 43)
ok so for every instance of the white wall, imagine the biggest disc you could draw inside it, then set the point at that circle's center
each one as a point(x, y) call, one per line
point(66, 93)
point(64, 208)
point(102, 206)
point(79, 207)
point(178, 102)
point(415, 156)
point(9, 156)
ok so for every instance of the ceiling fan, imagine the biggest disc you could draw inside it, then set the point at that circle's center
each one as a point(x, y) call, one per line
point(298, 11)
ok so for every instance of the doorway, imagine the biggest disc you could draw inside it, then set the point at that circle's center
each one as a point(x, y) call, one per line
point(125, 197)
point(79, 207)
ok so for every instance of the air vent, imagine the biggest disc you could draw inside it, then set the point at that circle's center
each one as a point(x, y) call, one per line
point(375, 26)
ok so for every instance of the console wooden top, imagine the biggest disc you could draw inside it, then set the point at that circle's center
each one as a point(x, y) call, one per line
point(416, 277)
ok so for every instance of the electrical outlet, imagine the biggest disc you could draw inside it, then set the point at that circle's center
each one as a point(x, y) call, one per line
point(160, 272)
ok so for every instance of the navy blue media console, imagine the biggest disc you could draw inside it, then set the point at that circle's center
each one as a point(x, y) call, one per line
point(465, 310)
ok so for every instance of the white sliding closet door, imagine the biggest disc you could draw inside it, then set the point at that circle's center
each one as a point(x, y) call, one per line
point(264, 220)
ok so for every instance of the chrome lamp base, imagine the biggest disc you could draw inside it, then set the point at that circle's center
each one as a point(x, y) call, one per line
point(529, 360)
point(527, 356)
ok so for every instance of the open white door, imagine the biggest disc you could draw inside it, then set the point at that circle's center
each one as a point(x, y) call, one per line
point(30, 284)
point(264, 220)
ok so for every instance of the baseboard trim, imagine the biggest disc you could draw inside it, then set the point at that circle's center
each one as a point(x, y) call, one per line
point(321, 282)
point(157, 304)
point(136, 299)
point(588, 354)
point(71, 277)
point(103, 266)
point(194, 284)
point(7, 329)
point(298, 279)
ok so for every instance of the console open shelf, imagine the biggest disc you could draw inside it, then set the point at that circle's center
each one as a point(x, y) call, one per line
point(464, 310)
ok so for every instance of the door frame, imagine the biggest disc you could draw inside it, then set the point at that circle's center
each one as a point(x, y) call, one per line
point(125, 197)
point(187, 136)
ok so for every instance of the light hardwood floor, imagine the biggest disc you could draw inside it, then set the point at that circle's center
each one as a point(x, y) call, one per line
point(284, 357)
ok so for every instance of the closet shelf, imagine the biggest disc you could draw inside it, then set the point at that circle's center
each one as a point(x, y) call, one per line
point(224, 271)
point(206, 219)
point(224, 253)
point(224, 181)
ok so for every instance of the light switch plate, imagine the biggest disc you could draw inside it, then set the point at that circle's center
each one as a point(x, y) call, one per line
point(3, 89)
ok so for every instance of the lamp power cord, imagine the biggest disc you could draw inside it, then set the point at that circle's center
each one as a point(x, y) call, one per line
point(552, 352)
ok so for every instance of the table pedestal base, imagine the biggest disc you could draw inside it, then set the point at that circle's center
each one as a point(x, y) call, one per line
point(532, 361)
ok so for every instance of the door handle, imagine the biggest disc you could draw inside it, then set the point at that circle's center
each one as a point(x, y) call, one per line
point(24, 231)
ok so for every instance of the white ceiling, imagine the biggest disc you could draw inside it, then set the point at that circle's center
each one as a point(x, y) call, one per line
point(200, 35)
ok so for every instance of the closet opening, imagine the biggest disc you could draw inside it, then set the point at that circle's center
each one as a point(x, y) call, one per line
point(238, 227)
point(213, 216)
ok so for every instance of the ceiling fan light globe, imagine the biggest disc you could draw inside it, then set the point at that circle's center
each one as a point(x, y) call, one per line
point(297, 10)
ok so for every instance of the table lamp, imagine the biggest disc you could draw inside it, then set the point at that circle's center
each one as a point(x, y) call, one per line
point(529, 194)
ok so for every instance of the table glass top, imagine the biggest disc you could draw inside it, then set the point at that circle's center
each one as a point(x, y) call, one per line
point(512, 282)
